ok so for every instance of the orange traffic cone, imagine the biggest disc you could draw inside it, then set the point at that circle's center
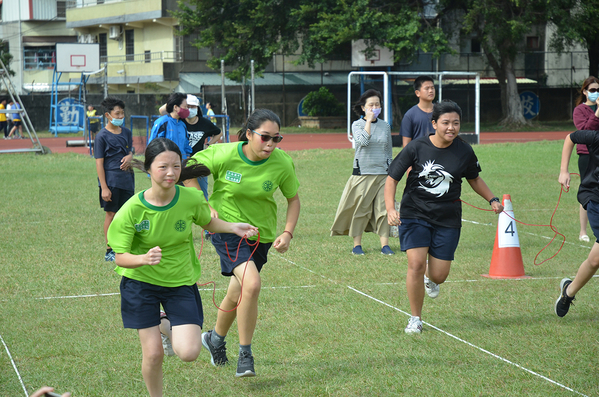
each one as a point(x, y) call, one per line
point(506, 261)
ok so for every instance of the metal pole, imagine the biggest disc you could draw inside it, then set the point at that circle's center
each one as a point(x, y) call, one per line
point(477, 109)
point(223, 101)
point(253, 89)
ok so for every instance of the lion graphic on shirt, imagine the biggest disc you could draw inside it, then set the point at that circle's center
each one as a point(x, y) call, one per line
point(437, 179)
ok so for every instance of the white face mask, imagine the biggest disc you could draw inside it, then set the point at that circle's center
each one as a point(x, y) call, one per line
point(193, 112)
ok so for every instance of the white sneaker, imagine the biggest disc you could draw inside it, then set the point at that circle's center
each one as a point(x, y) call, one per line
point(584, 238)
point(432, 289)
point(167, 346)
point(414, 326)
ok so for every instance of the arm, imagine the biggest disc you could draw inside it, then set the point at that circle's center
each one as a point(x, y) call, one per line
point(392, 214)
point(360, 134)
point(241, 229)
point(480, 187)
point(131, 261)
point(564, 175)
point(214, 139)
point(162, 110)
point(126, 161)
point(405, 140)
point(282, 242)
point(106, 193)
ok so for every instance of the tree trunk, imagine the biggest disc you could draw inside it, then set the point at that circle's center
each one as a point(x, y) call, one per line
point(514, 116)
point(593, 51)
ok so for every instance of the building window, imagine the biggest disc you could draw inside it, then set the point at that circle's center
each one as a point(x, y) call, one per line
point(475, 46)
point(532, 42)
point(39, 57)
point(190, 52)
point(103, 51)
point(147, 56)
point(129, 47)
point(61, 9)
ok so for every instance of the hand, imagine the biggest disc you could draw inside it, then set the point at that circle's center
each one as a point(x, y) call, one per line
point(46, 389)
point(126, 162)
point(282, 242)
point(497, 207)
point(244, 230)
point(369, 115)
point(393, 218)
point(106, 194)
point(213, 212)
point(564, 179)
point(153, 256)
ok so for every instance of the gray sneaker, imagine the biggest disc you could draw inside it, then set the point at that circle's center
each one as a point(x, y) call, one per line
point(432, 289)
point(218, 355)
point(167, 346)
point(245, 365)
point(562, 305)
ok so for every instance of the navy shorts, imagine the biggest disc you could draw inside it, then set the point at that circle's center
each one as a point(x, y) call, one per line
point(593, 214)
point(118, 198)
point(140, 304)
point(230, 258)
point(441, 241)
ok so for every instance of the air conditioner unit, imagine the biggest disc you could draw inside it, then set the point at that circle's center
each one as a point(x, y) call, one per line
point(115, 32)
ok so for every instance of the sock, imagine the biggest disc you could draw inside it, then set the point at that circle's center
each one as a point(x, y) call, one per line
point(245, 348)
point(216, 339)
point(108, 249)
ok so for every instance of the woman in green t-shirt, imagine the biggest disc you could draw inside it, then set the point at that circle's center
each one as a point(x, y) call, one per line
point(246, 175)
point(151, 236)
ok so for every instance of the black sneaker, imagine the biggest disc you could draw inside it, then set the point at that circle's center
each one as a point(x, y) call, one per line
point(564, 301)
point(245, 365)
point(218, 355)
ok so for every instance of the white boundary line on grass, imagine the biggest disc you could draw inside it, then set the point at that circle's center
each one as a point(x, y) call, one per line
point(14, 366)
point(472, 345)
point(442, 331)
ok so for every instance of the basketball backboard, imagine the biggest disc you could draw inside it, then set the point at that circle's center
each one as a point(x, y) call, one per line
point(382, 55)
point(77, 57)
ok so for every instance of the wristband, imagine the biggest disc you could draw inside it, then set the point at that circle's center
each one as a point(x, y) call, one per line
point(494, 199)
point(287, 231)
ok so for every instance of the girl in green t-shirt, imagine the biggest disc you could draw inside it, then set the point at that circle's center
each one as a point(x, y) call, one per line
point(246, 175)
point(151, 235)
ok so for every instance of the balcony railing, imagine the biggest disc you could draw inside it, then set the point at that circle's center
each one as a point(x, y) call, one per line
point(87, 3)
point(146, 57)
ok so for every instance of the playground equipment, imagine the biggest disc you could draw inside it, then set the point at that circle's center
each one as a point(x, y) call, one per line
point(25, 120)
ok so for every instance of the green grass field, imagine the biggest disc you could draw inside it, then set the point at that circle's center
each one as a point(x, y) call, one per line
point(330, 324)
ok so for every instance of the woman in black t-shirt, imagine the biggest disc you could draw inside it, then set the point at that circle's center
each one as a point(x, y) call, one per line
point(430, 216)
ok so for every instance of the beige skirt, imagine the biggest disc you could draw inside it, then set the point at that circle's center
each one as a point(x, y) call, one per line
point(362, 207)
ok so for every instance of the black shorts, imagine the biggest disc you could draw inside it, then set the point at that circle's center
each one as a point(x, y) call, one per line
point(226, 245)
point(118, 198)
point(140, 304)
point(16, 123)
point(93, 127)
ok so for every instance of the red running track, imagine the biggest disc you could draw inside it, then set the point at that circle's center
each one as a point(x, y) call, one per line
point(290, 142)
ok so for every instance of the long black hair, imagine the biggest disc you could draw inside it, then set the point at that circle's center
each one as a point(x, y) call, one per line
point(176, 98)
point(363, 98)
point(256, 119)
point(161, 145)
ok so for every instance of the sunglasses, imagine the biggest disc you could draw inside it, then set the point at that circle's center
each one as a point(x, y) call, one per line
point(593, 89)
point(266, 138)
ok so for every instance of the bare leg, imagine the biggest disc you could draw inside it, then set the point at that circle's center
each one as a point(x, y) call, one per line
point(415, 277)
point(437, 270)
point(107, 221)
point(187, 341)
point(358, 240)
point(583, 222)
point(585, 272)
point(151, 364)
point(384, 241)
point(247, 311)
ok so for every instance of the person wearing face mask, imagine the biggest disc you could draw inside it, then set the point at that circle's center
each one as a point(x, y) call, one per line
point(201, 132)
point(586, 117)
point(172, 126)
point(362, 205)
point(113, 151)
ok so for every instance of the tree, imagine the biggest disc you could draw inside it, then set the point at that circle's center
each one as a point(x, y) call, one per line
point(500, 26)
point(576, 22)
point(320, 29)
point(6, 58)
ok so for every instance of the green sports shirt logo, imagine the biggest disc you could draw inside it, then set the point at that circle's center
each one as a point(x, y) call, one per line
point(180, 225)
point(143, 225)
point(267, 186)
point(233, 176)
